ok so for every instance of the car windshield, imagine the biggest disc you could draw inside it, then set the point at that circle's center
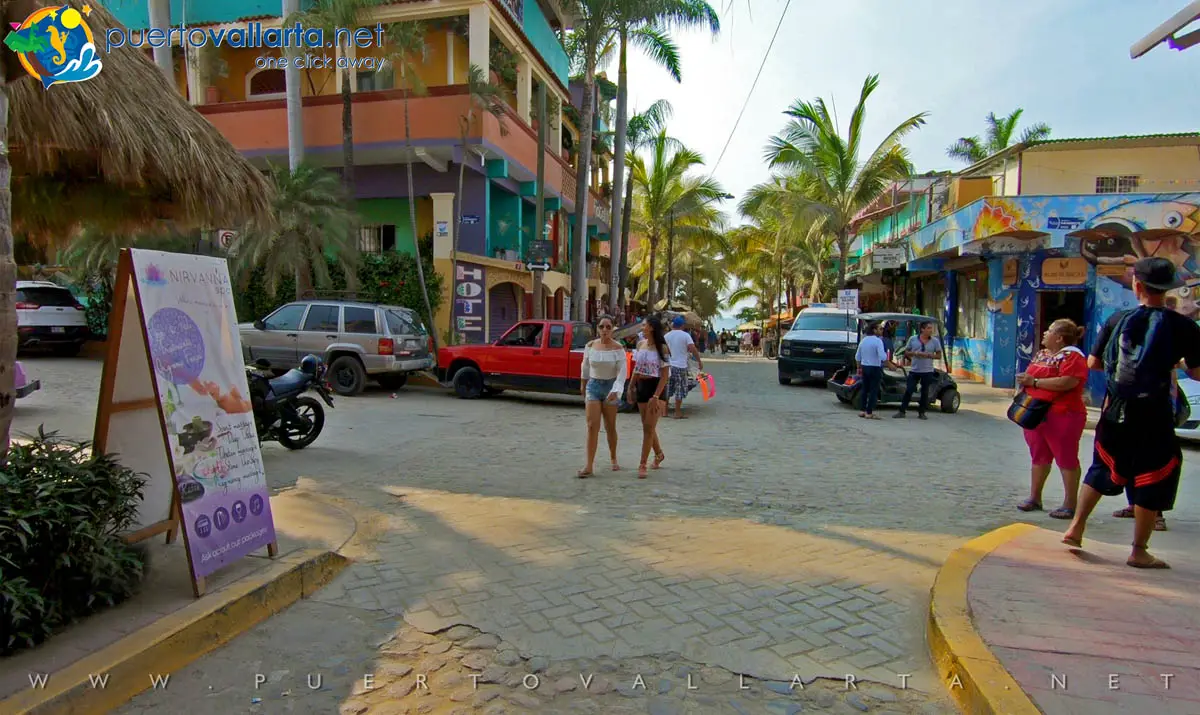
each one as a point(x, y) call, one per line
point(826, 321)
point(57, 297)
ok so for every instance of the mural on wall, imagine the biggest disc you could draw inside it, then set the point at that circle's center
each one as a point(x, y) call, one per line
point(1107, 223)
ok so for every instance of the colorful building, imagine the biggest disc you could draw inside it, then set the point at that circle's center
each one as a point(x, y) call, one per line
point(514, 42)
point(1055, 238)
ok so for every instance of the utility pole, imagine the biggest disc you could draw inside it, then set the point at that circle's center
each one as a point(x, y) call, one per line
point(539, 305)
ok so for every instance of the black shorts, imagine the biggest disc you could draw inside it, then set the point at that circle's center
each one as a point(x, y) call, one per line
point(646, 387)
point(1159, 496)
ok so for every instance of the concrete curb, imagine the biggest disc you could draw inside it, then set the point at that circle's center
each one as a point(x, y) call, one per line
point(958, 651)
point(178, 639)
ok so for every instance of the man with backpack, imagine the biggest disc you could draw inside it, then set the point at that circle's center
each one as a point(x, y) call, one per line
point(1139, 351)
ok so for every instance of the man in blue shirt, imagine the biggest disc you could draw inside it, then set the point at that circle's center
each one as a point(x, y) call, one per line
point(922, 349)
point(871, 357)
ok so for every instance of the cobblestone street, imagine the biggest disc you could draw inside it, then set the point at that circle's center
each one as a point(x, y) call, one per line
point(783, 537)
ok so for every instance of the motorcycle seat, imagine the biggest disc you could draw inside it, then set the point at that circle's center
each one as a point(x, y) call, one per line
point(292, 382)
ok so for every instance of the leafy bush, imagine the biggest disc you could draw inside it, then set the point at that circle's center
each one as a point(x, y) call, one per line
point(62, 511)
point(99, 292)
point(390, 278)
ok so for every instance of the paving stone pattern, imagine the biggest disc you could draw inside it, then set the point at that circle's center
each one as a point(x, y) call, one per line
point(782, 535)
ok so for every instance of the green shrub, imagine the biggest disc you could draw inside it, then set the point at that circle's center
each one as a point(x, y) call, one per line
point(62, 511)
point(99, 293)
point(390, 278)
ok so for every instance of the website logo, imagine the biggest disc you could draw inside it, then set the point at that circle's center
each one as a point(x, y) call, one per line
point(55, 45)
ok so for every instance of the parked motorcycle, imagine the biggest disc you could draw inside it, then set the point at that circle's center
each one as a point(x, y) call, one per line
point(282, 412)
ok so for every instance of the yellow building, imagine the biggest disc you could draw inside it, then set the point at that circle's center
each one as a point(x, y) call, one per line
point(515, 43)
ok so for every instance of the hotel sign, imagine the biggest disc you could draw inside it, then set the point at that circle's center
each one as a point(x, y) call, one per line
point(469, 302)
point(1064, 271)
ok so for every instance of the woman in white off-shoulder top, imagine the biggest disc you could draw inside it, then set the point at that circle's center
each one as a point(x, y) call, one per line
point(602, 380)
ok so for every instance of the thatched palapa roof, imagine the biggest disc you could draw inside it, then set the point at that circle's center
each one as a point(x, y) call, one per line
point(123, 149)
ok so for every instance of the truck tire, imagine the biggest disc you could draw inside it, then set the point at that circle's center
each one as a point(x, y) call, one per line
point(348, 377)
point(950, 400)
point(468, 383)
point(392, 382)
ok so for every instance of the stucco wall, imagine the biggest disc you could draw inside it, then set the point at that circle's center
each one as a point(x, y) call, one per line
point(1075, 171)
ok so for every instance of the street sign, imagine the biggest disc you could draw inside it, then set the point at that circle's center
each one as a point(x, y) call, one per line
point(883, 258)
point(848, 299)
point(537, 266)
point(470, 218)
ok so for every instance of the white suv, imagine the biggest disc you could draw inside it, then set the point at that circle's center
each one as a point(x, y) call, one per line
point(49, 316)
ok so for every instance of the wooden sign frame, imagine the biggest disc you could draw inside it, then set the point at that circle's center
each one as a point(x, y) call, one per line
point(115, 406)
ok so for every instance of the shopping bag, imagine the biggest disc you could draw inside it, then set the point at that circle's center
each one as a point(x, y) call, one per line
point(708, 388)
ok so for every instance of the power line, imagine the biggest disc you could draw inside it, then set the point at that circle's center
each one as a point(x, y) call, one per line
point(754, 84)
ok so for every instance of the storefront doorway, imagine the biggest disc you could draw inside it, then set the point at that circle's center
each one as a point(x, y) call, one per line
point(1055, 305)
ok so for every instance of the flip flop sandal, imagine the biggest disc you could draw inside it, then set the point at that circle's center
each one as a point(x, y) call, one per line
point(1029, 505)
point(1073, 543)
point(1153, 564)
point(658, 460)
point(642, 471)
point(1062, 513)
point(1126, 513)
point(616, 467)
point(583, 474)
point(1160, 524)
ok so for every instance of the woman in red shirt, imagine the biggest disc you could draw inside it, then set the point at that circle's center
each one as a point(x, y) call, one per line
point(1058, 374)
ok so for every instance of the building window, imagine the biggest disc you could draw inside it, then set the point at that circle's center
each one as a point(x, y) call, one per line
point(972, 305)
point(377, 239)
point(933, 299)
point(266, 83)
point(372, 80)
point(1117, 184)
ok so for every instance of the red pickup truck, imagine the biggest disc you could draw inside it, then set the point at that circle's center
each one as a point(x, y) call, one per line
point(533, 356)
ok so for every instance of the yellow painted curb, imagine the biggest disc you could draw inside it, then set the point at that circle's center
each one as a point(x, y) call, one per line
point(959, 654)
point(178, 639)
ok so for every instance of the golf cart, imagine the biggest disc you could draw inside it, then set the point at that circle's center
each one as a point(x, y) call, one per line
point(846, 383)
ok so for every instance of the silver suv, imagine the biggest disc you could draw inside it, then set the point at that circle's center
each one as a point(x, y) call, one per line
point(356, 340)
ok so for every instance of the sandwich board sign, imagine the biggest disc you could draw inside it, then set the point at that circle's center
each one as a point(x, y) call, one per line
point(174, 404)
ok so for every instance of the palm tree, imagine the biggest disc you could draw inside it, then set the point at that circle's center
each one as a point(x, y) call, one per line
point(295, 107)
point(641, 127)
point(667, 200)
point(408, 49)
point(829, 179)
point(331, 16)
point(642, 22)
point(310, 221)
point(485, 97)
point(594, 24)
point(999, 137)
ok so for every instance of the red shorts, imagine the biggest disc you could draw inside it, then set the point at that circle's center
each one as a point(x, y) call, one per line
point(1056, 439)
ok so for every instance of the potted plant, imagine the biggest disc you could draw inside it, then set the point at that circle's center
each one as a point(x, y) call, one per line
point(212, 67)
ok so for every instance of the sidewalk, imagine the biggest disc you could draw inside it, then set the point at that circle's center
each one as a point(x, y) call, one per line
point(1070, 632)
point(163, 627)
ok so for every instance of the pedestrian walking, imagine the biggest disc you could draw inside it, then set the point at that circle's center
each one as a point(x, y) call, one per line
point(1136, 445)
point(755, 342)
point(651, 372)
point(602, 381)
point(681, 344)
point(922, 350)
point(1057, 375)
point(871, 357)
point(712, 341)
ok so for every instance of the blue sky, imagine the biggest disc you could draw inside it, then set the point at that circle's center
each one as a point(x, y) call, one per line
point(1066, 62)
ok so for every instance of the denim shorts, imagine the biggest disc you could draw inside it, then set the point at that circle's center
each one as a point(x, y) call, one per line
point(597, 390)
